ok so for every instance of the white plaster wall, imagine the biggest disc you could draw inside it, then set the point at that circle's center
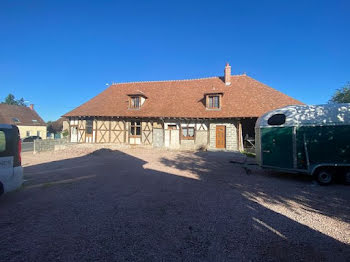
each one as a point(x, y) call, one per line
point(74, 122)
point(172, 139)
point(135, 140)
point(74, 134)
point(142, 100)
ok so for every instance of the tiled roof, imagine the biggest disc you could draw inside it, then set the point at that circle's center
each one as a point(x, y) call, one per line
point(244, 97)
point(9, 114)
point(58, 124)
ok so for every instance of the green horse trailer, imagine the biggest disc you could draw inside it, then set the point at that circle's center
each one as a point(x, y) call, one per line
point(306, 139)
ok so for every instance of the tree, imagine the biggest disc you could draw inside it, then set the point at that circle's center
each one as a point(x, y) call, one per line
point(342, 95)
point(50, 128)
point(11, 100)
point(20, 102)
point(55, 126)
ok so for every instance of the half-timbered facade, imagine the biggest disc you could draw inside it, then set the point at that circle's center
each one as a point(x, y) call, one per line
point(216, 113)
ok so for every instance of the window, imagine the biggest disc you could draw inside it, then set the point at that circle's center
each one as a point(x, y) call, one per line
point(15, 119)
point(213, 102)
point(28, 133)
point(135, 102)
point(38, 133)
point(187, 132)
point(135, 128)
point(89, 127)
point(2, 141)
point(277, 119)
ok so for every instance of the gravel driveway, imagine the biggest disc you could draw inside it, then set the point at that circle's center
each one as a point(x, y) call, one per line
point(90, 204)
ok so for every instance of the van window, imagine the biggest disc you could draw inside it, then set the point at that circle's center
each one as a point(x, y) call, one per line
point(2, 141)
point(277, 119)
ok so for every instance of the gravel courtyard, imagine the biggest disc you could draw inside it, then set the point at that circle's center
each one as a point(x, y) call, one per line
point(93, 204)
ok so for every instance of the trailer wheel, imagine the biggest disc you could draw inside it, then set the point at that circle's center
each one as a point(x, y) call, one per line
point(324, 176)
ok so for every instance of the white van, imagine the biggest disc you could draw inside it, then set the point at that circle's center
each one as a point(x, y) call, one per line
point(11, 171)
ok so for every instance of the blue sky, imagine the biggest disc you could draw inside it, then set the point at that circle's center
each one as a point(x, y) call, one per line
point(59, 54)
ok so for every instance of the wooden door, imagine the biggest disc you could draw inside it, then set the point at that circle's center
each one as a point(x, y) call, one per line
point(74, 134)
point(220, 136)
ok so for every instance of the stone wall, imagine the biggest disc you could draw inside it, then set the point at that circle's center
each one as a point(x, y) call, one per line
point(158, 137)
point(187, 145)
point(231, 135)
point(50, 145)
point(201, 140)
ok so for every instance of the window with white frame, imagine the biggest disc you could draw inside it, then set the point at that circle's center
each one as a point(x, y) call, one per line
point(135, 129)
point(187, 132)
point(213, 102)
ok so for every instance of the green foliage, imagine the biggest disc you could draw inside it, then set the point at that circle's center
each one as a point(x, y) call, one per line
point(65, 133)
point(342, 95)
point(50, 127)
point(11, 100)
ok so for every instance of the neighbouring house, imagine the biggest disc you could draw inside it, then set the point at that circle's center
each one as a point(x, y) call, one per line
point(214, 113)
point(25, 118)
point(58, 128)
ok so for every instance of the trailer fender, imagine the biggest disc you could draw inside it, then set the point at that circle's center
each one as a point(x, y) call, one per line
point(314, 168)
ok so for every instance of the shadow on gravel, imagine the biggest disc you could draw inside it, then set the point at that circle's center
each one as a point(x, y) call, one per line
point(124, 212)
point(274, 187)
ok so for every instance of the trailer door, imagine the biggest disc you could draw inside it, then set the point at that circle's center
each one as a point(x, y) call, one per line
point(277, 147)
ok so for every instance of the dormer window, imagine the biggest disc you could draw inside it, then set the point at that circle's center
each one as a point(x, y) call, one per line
point(136, 100)
point(213, 101)
point(15, 119)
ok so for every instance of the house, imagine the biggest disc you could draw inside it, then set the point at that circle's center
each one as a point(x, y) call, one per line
point(58, 128)
point(25, 118)
point(214, 112)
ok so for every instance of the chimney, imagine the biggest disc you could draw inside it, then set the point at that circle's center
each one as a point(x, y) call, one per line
point(31, 106)
point(227, 74)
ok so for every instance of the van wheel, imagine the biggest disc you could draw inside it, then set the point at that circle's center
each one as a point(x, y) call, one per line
point(324, 176)
point(1, 189)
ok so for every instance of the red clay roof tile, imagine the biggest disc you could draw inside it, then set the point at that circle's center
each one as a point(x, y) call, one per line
point(245, 97)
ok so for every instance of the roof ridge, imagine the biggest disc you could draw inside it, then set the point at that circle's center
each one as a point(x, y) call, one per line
point(178, 80)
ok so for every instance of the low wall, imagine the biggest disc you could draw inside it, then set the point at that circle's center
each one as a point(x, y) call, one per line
point(50, 145)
